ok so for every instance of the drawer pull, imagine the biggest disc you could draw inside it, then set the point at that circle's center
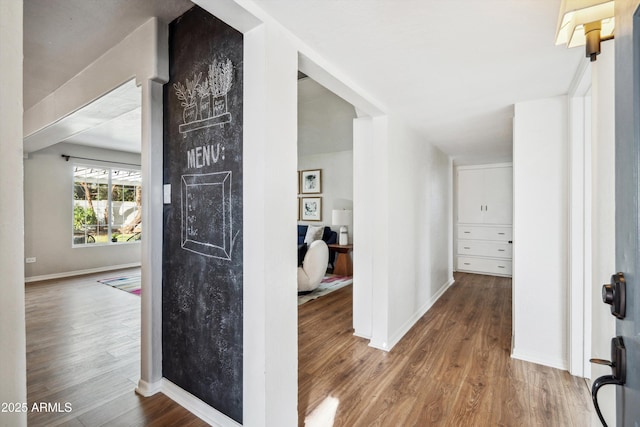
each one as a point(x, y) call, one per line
point(467, 263)
point(467, 247)
point(501, 266)
point(501, 234)
point(500, 250)
point(467, 232)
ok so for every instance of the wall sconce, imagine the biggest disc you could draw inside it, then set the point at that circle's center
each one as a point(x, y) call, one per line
point(586, 22)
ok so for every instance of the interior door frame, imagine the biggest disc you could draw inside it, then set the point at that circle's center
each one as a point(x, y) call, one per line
point(580, 262)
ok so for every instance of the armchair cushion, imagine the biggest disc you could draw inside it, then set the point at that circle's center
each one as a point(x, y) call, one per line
point(314, 267)
point(328, 235)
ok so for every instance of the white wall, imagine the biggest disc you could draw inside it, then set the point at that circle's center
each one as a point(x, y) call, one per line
point(48, 191)
point(325, 121)
point(337, 183)
point(419, 250)
point(603, 324)
point(540, 231)
point(13, 367)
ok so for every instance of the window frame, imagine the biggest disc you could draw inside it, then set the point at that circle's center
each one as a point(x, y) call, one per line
point(110, 168)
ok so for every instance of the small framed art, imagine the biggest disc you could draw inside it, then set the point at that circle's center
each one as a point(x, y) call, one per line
point(311, 209)
point(311, 181)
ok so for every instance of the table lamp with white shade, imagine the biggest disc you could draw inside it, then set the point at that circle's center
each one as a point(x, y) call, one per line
point(342, 218)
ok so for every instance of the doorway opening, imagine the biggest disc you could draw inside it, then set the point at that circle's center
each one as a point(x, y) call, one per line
point(83, 187)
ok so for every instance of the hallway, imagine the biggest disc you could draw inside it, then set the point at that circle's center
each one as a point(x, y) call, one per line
point(452, 368)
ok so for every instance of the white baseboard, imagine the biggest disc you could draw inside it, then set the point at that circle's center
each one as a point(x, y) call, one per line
point(540, 359)
point(146, 389)
point(196, 406)
point(401, 332)
point(379, 345)
point(80, 272)
point(367, 337)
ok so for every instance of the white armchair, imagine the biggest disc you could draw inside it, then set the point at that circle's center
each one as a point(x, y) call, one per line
point(313, 267)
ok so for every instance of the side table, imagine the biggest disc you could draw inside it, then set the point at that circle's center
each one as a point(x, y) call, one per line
point(344, 265)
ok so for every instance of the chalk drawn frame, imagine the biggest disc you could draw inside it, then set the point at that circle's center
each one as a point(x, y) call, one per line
point(221, 249)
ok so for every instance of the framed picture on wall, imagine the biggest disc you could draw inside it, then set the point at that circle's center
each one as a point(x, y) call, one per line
point(311, 208)
point(311, 181)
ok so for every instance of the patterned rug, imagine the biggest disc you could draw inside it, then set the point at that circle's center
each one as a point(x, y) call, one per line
point(129, 284)
point(330, 283)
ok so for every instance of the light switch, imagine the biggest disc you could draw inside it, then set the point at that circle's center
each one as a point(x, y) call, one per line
point(167, 194)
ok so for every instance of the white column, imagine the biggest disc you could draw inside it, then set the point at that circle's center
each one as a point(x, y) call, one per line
point(378, 206)
point(152, 234)
point(364, 197)
point(13, 366)
point(270, 215)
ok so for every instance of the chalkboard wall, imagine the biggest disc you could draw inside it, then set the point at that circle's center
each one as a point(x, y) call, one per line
point(202, 252)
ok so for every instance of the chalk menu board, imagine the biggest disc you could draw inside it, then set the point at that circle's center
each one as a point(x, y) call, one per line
point(202, 250)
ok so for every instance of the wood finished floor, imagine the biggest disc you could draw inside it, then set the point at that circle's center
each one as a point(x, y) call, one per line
point(83, 347)
point(452, 369)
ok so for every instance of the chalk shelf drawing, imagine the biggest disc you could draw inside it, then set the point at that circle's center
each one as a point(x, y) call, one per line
point(206, 214)
point(205, 102)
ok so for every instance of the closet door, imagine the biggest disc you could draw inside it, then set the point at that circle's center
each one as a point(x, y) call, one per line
point(498, 196)
point(470, 196)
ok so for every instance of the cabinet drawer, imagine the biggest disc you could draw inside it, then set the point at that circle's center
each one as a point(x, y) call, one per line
point(484, 265)
point(471, 232)
point(484, 248)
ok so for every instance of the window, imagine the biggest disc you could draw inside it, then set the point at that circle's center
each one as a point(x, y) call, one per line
point(107, 205)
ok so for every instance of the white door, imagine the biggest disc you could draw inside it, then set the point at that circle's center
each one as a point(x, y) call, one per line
point(470, 196)
point(498, 196)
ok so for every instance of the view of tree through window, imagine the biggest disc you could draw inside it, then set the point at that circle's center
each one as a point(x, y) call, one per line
point(107, 205)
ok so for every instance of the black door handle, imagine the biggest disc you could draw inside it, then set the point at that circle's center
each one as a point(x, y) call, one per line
point(599, 382)
point(618, 375)
point(615, 295)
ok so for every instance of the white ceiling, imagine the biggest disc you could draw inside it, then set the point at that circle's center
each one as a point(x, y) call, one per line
point(113, 121)
point(61, 38)
point(451, 68)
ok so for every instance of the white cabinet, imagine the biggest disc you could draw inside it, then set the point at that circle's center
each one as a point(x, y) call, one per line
point(472, 232)
point(470, 196)
point(485, 195)
point(484, 232)
point(484, 248)
point(485, 265)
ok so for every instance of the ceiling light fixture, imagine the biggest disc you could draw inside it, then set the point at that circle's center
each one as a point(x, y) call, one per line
point(586, 22)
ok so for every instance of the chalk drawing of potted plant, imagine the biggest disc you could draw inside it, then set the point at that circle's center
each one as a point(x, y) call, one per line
point(187, 96)
point(220, 81)
point(205, 99)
